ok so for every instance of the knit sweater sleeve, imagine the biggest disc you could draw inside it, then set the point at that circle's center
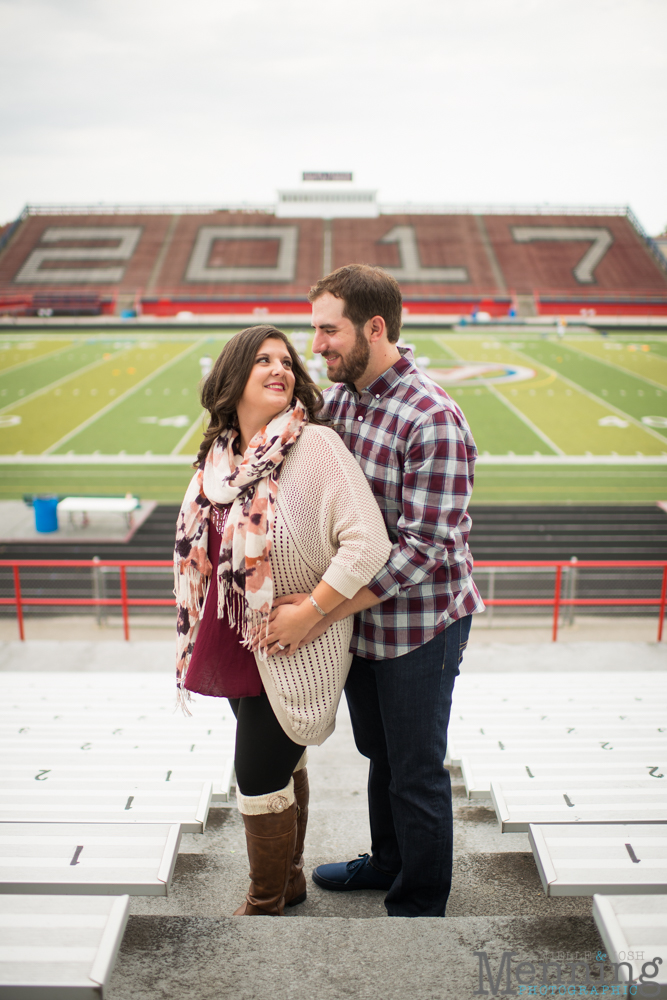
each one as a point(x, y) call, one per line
point(351, 523)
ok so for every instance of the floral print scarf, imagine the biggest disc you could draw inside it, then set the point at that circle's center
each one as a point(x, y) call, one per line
point(245, 582)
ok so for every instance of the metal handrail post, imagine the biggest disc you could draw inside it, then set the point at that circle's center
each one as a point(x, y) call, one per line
point(663, 601)
point(19, 605)
point(559, 574)
point(123, 595)
point(572, 589)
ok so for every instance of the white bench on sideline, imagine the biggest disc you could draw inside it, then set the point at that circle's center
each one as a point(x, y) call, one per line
point(118, 802)
point(634, 931)
point(578, 798)
point(88, 858)
point(583, 859)
point(59, 946)
point(99, 505)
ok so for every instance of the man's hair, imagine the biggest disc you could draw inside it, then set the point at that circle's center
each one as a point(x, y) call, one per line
point(366, 292)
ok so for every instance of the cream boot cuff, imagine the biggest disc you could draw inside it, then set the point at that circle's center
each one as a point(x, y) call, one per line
point(303, 760)
point(262, 805)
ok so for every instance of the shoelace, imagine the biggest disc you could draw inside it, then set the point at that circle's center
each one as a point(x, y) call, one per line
point(354, 866)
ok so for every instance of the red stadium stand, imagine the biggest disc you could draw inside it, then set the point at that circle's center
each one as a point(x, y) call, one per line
point(252, 263)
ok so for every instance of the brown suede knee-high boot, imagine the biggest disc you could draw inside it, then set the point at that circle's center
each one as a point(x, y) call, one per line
point(296, 887)
point(270, 829)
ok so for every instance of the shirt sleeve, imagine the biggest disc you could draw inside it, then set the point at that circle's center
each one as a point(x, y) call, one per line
point(354, 526)
point(433, 523)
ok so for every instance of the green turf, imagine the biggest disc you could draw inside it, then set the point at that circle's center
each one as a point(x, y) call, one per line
point(16, 352)
point(630, 393)
point(574, 484)
point(136, 392)
point(164, 483)
point(493, 484)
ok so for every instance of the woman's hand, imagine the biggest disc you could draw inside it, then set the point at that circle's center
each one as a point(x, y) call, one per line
point(287, 627)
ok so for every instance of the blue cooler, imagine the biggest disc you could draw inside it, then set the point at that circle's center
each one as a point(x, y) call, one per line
point(46, 514)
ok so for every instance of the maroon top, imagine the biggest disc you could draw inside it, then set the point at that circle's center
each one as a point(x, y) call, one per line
point(220, 666)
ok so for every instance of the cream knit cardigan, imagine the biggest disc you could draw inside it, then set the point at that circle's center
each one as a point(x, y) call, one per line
point(328, 527)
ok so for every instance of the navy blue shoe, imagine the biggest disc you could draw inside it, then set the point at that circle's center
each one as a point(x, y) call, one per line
point(348, 875)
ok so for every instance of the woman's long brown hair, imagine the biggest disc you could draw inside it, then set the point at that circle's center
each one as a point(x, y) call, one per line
point(223, 387)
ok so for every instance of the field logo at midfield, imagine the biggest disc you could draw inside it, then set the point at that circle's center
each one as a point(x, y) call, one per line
point(472, 373)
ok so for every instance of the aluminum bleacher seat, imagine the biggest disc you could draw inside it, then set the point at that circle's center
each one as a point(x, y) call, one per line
point(576, 798)
point(116, 802)
point(59, 947)
point(88, 859)
point(481, 769)
point(585, 858)
point(634, 931)
point(75, 770)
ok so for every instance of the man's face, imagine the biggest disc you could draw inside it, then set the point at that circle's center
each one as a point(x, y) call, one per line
point(344, 348)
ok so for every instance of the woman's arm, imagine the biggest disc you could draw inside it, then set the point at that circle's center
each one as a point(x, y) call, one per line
point(291, 622)
point(352, 528)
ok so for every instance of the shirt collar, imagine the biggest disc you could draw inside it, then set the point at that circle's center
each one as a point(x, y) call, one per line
point(389, 379)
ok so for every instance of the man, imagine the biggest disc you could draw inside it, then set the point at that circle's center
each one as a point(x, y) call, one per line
point(412, 621)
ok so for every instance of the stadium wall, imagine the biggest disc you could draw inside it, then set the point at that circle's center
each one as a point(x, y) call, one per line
point(249, 262)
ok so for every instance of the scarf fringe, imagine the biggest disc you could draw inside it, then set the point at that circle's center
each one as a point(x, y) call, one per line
point(248, 624)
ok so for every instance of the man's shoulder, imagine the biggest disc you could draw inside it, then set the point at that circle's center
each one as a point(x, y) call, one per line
point(420, 400)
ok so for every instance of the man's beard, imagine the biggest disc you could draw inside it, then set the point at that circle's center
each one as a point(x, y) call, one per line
point(352, 367)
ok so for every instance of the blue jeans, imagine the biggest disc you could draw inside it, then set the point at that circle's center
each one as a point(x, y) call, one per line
point(400, 713)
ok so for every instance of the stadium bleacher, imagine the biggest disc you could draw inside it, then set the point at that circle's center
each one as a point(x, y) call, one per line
point(250, 262)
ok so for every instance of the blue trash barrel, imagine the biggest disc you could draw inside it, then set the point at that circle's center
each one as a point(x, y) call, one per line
point(46, 514)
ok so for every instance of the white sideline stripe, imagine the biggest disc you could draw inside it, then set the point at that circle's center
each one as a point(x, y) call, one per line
point(121, 399)
point(47, 459)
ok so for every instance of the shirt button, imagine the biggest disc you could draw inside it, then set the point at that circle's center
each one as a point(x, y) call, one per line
point(360, 418)
point(377, 395)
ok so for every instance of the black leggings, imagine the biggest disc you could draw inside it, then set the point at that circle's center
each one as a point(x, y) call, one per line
point(265, 756)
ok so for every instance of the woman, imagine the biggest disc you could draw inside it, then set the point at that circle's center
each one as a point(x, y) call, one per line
point(277, 506)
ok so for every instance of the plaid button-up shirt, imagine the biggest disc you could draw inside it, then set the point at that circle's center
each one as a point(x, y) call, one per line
point(415, 447)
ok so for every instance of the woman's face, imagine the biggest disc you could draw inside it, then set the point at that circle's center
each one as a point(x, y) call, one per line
point(270, 387)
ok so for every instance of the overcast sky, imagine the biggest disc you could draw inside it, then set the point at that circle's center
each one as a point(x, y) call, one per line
point(445, 101)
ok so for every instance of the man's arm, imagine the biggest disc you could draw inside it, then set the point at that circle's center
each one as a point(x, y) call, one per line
point(364, 598)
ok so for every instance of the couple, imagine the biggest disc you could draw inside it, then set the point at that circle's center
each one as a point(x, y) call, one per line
point(322, 545)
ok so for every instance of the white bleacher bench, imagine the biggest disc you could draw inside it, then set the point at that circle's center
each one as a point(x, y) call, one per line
point(118, 802)
point(66, 770)
point(59, 947)
point(99, 505)
point(526, 742)
point(479, 770)
point(88, 858)
point(586, 858)
point(154, 769)
point(634, 931)
point(574, 798)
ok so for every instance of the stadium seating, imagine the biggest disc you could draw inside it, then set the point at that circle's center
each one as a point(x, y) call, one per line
point(250, 263)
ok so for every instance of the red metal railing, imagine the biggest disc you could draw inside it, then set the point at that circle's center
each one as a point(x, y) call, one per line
point(124, 602)
point(557, 601)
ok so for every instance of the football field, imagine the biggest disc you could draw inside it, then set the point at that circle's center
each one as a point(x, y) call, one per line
point(578, 419)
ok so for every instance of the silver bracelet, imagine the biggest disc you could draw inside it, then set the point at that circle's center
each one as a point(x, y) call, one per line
point(317, 607)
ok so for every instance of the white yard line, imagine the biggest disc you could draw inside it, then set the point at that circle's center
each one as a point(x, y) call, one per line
point(618, 368)
point(40, 357)
point(59, 381)
point(125, 395)
point(517, 413)
point(597, 399)
point(195, 424)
